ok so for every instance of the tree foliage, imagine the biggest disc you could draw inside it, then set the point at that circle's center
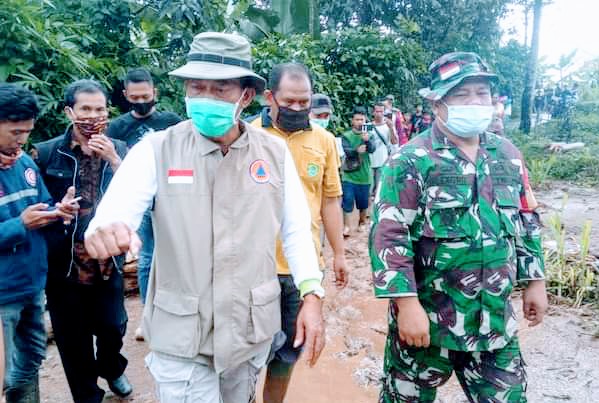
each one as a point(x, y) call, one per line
point(45, 45)
point(378, 47)
point(442, 25)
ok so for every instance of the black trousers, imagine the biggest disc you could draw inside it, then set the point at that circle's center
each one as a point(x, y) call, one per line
point(79, 312)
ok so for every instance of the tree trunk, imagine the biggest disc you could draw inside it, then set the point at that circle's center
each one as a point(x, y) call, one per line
point(531, 69)
point(526, 12)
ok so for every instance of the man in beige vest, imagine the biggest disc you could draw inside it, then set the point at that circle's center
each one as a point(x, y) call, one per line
point(221, 192)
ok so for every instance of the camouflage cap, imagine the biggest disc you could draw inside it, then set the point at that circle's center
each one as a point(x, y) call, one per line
point(451, 69)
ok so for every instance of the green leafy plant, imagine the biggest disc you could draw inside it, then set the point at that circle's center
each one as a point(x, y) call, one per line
point(570, 270)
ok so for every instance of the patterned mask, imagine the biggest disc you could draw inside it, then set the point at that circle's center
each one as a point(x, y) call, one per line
point(90, 126)
point(7, 161)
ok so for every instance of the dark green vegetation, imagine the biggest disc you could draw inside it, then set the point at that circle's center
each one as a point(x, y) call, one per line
point(384, 48)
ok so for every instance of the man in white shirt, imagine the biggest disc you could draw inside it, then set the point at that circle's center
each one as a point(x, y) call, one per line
point(383, 136)
point(221, 192)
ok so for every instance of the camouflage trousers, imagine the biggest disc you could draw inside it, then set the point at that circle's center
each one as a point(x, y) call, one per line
point(412, 374)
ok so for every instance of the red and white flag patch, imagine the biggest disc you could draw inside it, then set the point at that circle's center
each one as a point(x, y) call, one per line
point(449, 70)
point(180, 176)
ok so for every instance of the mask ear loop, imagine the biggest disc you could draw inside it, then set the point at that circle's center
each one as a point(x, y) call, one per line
point(236, 114)
point(74, 114)
point(439, 117)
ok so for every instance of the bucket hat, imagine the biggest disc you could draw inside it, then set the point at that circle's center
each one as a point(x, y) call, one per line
point(219, 56)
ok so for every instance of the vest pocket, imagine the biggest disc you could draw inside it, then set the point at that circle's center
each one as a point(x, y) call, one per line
point(265, 313)
point(175, 324)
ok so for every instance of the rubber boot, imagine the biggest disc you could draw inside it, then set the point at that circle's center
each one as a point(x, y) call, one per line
point(345, 225)
point(362, 220)
point(25, 393)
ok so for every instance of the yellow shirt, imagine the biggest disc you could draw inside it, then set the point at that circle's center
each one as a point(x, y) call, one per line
point(317, 162)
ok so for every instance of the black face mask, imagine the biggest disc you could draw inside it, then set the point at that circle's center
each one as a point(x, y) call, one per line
point(143, 108)
point(292, 121)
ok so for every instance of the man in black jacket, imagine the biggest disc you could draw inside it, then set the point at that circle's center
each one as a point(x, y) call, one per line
point(85, 296)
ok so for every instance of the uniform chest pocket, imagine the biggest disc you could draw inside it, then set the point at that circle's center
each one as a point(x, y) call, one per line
point(507, 198)
point(311, 164)
point(447, 214)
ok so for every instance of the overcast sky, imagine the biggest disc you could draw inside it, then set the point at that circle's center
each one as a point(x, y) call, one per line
point(565, 25)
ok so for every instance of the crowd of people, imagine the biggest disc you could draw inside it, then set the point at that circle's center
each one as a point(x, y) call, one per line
point(555, 101)
point(226, 215)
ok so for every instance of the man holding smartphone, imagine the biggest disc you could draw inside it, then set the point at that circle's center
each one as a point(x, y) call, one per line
point(24, 212)
point(356, 177)
point(85, 295)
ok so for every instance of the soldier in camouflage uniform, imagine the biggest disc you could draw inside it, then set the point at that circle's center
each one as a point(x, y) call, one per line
point(454, 229)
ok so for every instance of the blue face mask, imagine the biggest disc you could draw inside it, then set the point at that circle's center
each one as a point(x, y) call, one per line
point(324, 123)
point(468, 121)
point(211, 117)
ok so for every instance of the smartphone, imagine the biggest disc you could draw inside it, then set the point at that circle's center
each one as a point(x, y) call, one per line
point(75, 200)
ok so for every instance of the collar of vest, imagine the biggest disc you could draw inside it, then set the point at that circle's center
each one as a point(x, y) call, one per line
point(207, 146)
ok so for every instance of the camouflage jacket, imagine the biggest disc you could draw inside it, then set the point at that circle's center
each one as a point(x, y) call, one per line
point(458, 235)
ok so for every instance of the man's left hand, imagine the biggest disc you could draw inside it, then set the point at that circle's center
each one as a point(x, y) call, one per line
point(104, 148)
point(341, 272)
point(310, 329)
point(534, 302)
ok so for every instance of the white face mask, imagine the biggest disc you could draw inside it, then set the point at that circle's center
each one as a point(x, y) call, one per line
point(468, 121)
point(324, 123)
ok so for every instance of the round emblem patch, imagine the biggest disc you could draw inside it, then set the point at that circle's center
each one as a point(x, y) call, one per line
point(313, 169)
point(260, 171)
point(31, 177)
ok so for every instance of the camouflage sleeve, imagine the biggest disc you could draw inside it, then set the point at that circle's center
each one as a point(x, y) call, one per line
point(529, 249)
point(390, 241)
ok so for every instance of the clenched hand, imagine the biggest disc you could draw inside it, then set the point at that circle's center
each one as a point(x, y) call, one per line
point(112, 240)
point(413, 325)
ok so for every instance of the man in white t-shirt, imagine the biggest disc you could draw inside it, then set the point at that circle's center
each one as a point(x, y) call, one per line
point(383, 136)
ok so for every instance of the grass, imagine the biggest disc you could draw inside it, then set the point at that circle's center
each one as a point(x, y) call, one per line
point(570, 270)
point(572, 273)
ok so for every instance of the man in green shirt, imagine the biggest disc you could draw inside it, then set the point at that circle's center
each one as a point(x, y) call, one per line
point(356, 177)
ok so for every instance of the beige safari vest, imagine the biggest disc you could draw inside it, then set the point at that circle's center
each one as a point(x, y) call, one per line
point(213, 293)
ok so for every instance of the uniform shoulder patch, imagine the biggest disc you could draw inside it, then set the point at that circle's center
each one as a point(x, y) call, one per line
point(31, 177)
